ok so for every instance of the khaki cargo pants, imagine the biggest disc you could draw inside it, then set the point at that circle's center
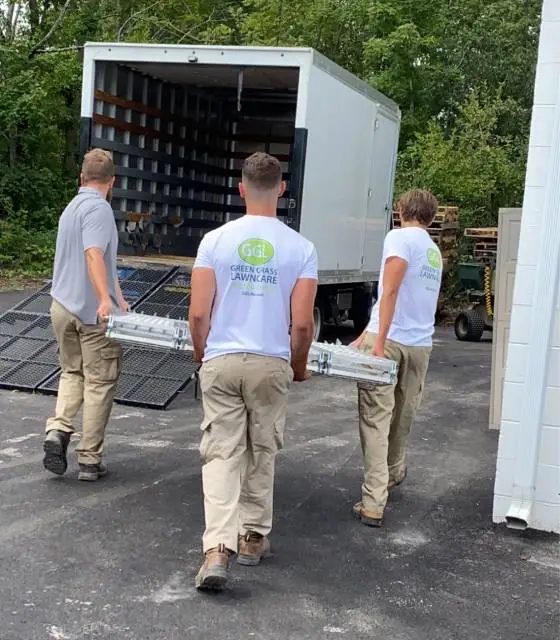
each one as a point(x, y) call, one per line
point(91, 365)
point(386, 417)
point(244, 398)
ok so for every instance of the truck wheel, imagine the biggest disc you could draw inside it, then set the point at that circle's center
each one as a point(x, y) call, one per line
point(469, 326)
point(318, 319)
point(361, 308)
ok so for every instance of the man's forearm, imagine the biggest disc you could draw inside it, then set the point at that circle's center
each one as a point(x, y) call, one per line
point(199, 328)
point(98, 274)
point(386, 313)
point(301, 342)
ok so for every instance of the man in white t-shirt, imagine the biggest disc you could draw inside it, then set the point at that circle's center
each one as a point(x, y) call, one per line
point(400, 328)
point(252, 278)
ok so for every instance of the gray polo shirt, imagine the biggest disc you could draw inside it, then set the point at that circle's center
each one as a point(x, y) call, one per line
point(87, 222)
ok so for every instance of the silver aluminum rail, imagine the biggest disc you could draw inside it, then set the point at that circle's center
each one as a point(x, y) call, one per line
point(334, 360)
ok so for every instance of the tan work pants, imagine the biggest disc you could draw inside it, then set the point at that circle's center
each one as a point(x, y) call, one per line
point(244, 398)
point(386, 416)
point(91, 365)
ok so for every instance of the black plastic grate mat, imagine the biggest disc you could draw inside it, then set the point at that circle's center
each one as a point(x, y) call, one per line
point(39, 304)
point(6, 365)
point(48, 354)
point(21, 349)
point(127, 383)
point(125, 272)
point(26, 376)
point(181, 278)
point(134, 291)
point(169, 295)
point(149, 378)
point(177, 365)
point(50, 386)
point(41, 328)
point(142, 361)
point(149, 308)
point(14, 323)
point(171, 298)
point(150, 275)
point(152, 392)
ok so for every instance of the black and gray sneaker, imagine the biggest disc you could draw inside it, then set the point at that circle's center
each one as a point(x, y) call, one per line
point(55, 447)
point(92, 472)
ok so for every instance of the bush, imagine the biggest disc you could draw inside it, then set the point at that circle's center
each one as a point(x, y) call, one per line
point(25, 251)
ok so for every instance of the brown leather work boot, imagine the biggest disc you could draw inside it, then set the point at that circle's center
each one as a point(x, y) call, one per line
point(213, 574)
point(252, 549)
point(369, 518)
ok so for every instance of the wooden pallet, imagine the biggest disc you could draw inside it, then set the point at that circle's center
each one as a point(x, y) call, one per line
point(486, 249)
point(487, 244)
point(445, 217)
point(443, 237)
point(436, 224)
point(483, 232)
point(484, 254)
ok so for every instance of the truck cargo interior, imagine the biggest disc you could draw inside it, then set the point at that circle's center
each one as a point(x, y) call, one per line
point(179, 134)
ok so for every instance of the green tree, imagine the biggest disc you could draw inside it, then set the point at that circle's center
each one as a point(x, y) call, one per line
point(475, 166)
point(461, 71)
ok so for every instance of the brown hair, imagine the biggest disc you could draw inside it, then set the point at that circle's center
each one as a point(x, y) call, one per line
point(418, 204)
point(262, 171)
point(97, 166)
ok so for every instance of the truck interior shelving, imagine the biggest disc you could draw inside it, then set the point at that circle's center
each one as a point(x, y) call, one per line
point(179, 134)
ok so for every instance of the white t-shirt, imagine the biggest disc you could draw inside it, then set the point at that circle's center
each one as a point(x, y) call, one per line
point(257, 261)
point(414, 319)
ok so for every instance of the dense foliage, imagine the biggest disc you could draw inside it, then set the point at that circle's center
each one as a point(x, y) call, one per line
point(461, 70)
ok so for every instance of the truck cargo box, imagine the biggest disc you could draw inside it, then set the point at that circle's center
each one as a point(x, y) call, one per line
point(181, 119)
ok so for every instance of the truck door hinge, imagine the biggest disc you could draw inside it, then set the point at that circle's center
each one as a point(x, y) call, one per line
point(292, 203)
point(376, 124)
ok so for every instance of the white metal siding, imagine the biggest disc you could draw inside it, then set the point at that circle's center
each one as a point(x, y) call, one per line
point(546, 510)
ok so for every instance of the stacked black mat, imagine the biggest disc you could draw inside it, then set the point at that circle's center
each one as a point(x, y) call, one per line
point(150, 377)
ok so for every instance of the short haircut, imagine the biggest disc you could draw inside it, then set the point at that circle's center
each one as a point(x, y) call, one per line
point(262, 171)
point(419, 205)
point(98, 166)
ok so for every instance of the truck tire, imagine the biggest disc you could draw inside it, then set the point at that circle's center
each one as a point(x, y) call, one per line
point(469, 326)
point(361, 309)
point(319, 321)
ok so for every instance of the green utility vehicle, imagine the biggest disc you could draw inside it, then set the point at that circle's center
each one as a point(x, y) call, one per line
point(478, 281)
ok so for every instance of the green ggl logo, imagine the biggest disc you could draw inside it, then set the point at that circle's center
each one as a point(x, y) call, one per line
point(256, 252)
point(434, 258)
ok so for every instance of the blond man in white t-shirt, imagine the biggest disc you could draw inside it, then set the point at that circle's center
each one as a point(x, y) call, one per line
point(401, 328)
point(252, 278)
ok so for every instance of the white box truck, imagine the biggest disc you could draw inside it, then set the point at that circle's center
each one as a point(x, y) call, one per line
point(179, 121)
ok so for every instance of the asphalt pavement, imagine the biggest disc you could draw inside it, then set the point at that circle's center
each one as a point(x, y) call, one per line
point(116, 560)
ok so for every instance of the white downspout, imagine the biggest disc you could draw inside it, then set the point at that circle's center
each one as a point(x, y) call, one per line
point(543, 315)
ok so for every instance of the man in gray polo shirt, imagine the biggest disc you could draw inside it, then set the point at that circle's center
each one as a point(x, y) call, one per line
point(85, 290)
